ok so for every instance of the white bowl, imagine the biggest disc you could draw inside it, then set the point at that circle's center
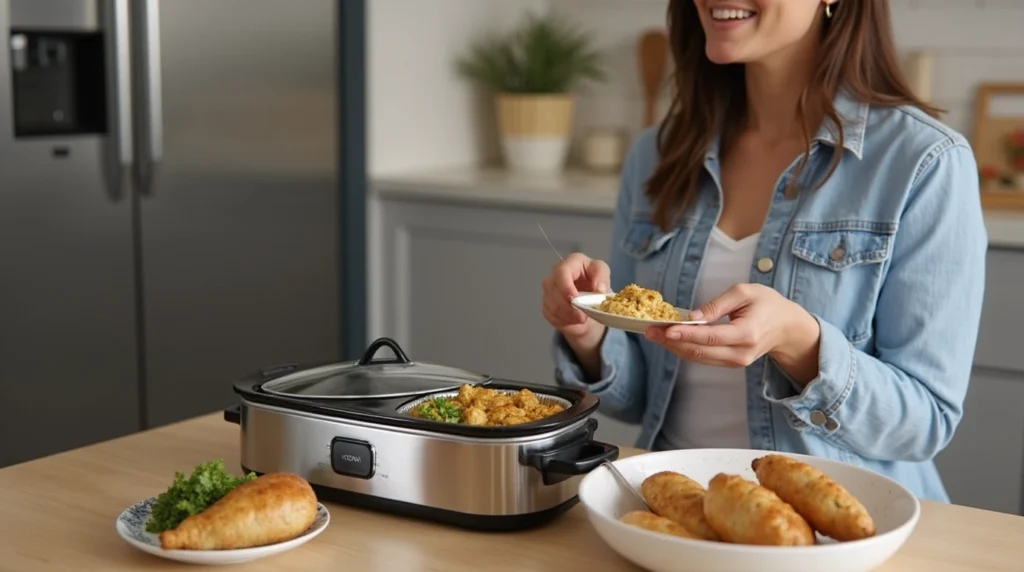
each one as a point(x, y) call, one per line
point(894, 509)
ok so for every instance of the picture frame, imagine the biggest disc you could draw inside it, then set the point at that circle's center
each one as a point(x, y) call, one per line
point(999, 115)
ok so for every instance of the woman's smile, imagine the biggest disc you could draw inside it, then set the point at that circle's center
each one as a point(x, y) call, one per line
point(725, 16)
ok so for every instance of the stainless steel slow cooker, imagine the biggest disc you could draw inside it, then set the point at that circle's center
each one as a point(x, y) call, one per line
point(347, 429)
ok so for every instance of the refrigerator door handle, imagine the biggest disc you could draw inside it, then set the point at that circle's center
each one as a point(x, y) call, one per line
point(149, 94)
point(118, 149)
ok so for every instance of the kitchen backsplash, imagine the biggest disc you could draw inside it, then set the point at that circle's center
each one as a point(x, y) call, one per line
point(972, 41)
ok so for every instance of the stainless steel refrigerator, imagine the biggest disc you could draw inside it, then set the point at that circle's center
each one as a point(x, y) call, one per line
point(168, 208)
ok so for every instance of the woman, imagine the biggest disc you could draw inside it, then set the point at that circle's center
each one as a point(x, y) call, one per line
point(821, 219)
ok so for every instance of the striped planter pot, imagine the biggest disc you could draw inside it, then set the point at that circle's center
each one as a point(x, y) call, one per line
point(535, 131)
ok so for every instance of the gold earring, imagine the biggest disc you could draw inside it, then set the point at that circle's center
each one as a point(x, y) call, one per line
point(828, 10)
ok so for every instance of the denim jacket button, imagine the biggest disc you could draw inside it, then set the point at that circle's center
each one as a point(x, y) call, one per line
point(838, 253)
point(818, 418)
point(765, 264)
point(831, 425)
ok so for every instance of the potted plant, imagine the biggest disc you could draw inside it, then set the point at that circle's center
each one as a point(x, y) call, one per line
point(532, 71)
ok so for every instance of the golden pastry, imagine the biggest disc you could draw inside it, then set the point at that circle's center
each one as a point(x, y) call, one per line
point(743, 512)
point(655, 523)
point(680, 499)
point(826, 505)
point(270, 509)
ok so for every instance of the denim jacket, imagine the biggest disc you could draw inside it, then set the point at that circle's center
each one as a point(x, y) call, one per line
point(888, 256)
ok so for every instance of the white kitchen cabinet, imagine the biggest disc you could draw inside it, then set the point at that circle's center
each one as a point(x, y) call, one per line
point(461, 285)
point(458, 282)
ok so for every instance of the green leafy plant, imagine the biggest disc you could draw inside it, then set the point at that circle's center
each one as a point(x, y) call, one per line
point(545, 54)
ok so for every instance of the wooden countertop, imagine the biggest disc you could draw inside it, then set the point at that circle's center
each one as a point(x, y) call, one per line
point(58, 513)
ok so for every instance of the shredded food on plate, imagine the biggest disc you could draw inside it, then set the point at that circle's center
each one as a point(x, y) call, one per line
point(636, 302)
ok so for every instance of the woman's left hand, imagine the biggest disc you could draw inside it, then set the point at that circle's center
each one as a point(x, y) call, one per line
point(761, 321)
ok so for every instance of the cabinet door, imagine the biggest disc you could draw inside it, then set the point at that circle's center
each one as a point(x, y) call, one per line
point(984, 464)
point(998, 339)
point(461, 285)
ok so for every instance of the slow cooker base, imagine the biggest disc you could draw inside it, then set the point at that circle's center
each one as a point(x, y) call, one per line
point(478, 522)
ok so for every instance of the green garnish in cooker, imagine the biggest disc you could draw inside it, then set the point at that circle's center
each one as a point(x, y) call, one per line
point(186, 497)
point(441, 409)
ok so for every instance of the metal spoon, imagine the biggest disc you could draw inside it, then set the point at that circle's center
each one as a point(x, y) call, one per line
point(625, 482)
point(560, 256)
point(549, 242)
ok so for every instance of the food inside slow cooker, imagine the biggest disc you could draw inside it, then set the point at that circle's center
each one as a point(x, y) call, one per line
point(486, 407)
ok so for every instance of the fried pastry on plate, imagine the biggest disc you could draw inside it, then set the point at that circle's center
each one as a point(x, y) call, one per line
point(270, 509)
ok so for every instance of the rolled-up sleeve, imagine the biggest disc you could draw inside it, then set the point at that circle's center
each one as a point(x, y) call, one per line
point(905, 400)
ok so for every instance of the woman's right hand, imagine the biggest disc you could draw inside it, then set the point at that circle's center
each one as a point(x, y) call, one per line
point(577, 273)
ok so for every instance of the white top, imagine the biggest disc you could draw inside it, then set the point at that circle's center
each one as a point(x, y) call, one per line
point(709, 404)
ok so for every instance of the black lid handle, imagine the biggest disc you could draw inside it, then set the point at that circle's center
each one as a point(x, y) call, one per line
point(392, 345)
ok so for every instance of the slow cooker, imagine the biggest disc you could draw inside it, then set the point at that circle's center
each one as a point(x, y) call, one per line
point(347, 428)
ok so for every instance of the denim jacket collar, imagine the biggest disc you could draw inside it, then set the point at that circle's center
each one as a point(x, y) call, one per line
point(853, 115)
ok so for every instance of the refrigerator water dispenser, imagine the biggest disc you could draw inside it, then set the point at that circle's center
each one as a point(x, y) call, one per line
point(58, 83)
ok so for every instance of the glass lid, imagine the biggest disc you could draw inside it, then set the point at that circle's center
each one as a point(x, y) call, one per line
point(371, 378)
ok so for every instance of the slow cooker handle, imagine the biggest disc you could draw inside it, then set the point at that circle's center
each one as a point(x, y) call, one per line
point(233, 415)
point(591, 456)
point(576, 457)
point(392, 345)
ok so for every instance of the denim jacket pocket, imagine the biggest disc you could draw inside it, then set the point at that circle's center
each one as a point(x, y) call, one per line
point(838, 271)
point(648, 245)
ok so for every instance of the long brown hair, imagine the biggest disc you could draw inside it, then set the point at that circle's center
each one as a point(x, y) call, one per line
point(858, 53)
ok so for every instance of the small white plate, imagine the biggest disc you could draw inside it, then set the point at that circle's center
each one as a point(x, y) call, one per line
point(589, 301)
point(131, 525)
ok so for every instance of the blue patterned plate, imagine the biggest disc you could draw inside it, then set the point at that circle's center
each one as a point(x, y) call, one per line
point(131, 525)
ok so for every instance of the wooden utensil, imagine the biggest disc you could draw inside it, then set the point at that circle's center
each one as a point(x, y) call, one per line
point(921, 68)
point(653, 51)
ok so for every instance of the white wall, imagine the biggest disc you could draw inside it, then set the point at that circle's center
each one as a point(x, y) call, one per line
point(421, 114)
point(973, 41)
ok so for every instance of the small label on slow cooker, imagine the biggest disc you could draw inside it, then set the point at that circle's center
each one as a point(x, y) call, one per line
point(352, 458)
